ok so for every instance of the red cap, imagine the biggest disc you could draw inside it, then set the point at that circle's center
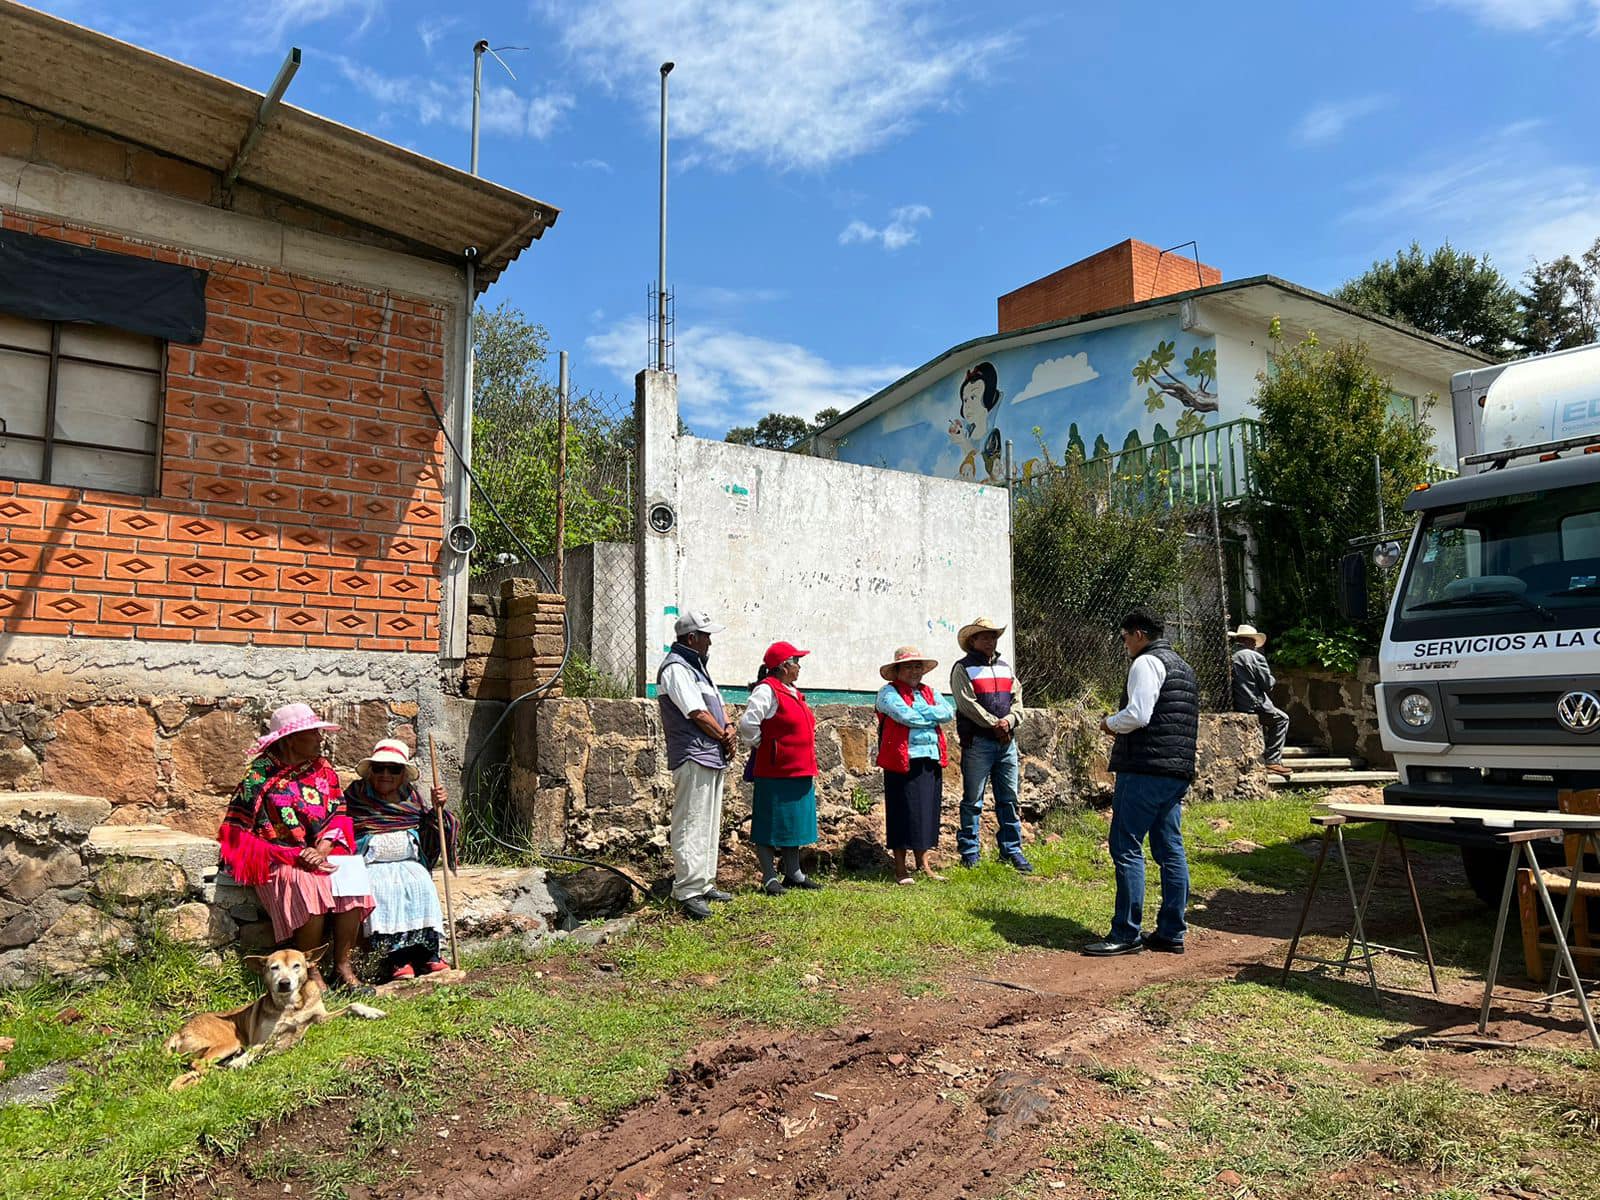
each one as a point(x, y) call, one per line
point(781, 652)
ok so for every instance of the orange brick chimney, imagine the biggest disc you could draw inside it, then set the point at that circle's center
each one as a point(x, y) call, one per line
point(1127, 273)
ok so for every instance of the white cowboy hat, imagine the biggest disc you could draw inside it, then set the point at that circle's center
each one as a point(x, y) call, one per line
point(390, 750)
point(902, 656)
point(981, 625)
point(291, 718)
point(1249, 633)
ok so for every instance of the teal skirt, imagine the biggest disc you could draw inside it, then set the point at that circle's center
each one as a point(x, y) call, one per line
point(784, 812)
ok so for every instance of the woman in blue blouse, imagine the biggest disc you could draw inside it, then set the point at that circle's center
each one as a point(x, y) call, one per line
point(912, 753)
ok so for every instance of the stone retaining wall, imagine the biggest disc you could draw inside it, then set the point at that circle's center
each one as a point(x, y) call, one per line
point(591, 776)
point(1333, 711)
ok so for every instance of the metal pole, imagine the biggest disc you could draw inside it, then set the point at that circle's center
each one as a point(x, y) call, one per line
point(661, 265)
point(1222, 599)
point(1377, 484)
point(464, 410)
point(269, 104)
point(561, 479)
point(478, 49)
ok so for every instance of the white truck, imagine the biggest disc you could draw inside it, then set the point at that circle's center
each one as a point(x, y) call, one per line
point(1490, 660)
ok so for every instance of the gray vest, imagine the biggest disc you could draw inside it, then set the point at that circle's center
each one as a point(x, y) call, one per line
point(686, 741)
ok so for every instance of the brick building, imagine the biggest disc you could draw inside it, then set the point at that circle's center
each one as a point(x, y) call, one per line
point(222, 516)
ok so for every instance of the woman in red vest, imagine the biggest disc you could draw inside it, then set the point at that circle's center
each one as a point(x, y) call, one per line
point(912, 753)
point(781, 726)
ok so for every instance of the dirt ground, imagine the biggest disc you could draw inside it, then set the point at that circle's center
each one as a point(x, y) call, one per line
point(948, 1096)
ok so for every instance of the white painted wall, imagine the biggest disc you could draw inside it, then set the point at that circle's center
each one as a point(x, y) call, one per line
point(845, 560)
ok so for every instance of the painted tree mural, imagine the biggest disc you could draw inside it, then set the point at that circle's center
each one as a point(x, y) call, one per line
point(1154, 371)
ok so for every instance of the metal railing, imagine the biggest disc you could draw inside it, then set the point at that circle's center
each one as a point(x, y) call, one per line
point(1196, 468)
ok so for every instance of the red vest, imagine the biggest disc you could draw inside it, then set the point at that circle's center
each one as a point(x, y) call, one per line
point(894, 739)
point(788, 746)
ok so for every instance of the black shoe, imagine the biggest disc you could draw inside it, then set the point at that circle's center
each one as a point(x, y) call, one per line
point(1160, 944)
point(805, 883)
point(1109, 949)
point(774, 887)
point(695, 908)
point(969, 860)
point(716, 897)
point(1018, 863)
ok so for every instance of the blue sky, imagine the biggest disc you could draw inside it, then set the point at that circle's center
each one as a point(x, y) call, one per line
point(855, 181)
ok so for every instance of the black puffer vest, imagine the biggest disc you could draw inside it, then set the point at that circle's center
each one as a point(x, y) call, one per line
point(1166, 746)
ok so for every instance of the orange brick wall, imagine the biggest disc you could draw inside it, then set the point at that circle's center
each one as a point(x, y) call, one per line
point(301, 480)
point(1120, 275)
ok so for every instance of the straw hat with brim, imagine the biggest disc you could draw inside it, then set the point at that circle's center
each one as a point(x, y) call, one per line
point(1249, 633)
point(290, 719)
point(902, 656)
point(981, 625)
point(388, 751)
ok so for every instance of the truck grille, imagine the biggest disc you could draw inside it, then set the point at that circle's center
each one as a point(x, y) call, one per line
point(1517, 712)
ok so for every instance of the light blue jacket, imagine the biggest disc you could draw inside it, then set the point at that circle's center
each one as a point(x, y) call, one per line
point(922, 718)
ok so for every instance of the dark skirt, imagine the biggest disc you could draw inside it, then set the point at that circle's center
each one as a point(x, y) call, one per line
point(911, 805)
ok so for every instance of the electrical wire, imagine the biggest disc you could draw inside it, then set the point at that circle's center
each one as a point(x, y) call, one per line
point(566, 653)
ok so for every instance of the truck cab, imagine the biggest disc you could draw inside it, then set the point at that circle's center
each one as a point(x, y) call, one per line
point(1490, 661)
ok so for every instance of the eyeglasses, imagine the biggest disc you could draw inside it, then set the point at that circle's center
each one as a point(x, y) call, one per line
point(387, 769)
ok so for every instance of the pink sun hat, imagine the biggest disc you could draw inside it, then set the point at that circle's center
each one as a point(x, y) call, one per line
point(291, 718)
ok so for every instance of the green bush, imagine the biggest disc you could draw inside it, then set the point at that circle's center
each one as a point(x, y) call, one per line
point(1337, 647)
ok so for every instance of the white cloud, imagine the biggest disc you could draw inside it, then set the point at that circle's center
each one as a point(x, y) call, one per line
point(1053, 374)
point(431, 101)
point(728, 378)
point(900, 231)
point(1526, 16)
point(1327, 122)
point(1506, 196)
point(787, 83)
point(594, 164)
point(431, 30)
point(274, 18)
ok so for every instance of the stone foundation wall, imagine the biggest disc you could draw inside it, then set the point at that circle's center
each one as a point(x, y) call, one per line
point(1335, 712)
point(591, 776)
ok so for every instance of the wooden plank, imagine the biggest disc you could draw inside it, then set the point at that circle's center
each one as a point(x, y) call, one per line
point(1494, 818)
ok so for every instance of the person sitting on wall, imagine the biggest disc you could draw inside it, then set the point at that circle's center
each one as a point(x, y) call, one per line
point(1252, 693)
point(913, 755)
point(397, 831)
point(284, 833)
point(780, 727)
point(701, 742)
point(988, 704)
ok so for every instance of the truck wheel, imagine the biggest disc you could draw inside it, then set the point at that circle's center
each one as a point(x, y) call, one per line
point(1486, 871)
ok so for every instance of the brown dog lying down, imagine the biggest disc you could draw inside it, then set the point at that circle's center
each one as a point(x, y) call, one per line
point(276, 1020)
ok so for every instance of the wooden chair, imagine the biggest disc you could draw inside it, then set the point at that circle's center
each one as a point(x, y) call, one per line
point(1559, 881)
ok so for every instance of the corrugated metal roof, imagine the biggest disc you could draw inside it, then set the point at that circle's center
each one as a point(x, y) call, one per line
point(130, 93)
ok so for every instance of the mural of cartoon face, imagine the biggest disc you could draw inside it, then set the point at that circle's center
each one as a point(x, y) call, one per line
point(974, 431)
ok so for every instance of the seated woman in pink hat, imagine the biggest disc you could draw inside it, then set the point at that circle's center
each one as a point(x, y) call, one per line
point(397, 832)
point(284, 827)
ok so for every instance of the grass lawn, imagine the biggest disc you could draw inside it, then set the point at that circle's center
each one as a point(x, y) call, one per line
point(586, 1050)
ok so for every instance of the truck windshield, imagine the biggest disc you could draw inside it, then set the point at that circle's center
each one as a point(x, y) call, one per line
point(1504, 565)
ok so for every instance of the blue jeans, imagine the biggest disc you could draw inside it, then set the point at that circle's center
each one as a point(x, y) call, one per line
point(1148, 806)
point(988, 760)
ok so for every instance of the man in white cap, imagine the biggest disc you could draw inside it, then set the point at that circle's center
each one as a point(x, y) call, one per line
point(1252, 693)
point(700, 745)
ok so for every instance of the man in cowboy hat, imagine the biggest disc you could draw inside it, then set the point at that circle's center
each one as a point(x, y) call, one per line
point(1252, 693)
point(700, 745)
point(988, 711)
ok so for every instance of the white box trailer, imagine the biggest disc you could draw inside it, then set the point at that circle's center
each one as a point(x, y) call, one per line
point(1490, 661)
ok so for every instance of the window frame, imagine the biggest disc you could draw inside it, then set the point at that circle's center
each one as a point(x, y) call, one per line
point(50, 440)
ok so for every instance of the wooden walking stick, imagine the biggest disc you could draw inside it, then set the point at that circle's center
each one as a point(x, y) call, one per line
point(444, 857)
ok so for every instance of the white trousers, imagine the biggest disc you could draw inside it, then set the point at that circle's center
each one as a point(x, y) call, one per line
point(696, 829)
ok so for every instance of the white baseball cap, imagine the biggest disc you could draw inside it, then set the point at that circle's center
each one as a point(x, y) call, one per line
point(695, 620)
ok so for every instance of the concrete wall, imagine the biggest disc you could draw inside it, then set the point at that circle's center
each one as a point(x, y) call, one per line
point(845, 560)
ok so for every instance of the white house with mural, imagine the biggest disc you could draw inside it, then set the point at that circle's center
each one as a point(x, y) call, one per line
point(1129, 347)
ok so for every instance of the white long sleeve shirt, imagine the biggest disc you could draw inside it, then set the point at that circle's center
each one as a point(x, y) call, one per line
point(763, 703)
point(684, 688)
point(1145, 678)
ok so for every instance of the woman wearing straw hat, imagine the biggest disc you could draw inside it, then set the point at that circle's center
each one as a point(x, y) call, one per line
point(284, 832)
point(913, 755)
point(1252, 693)
point(398, 834)
point(781, 727)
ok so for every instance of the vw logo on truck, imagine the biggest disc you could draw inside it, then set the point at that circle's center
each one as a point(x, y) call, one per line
point(1579, 712)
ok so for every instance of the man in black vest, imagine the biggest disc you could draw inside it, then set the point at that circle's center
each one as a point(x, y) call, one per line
point(1153, 758)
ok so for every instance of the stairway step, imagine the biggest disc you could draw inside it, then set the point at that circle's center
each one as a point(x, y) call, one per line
point(1304, 751)
point(1330, 763)
point(1332, 779)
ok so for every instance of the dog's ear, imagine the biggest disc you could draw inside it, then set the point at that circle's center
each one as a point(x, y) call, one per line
point(255, 963)
point(313, 957)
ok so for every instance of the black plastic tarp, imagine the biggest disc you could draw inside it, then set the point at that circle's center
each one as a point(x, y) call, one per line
point(49, 280)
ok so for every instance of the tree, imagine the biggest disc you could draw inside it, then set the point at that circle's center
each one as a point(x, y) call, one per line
point(514, 436)
point(1448, 292)
point(779, 431)
point(1324, 416)
point(1561, 306)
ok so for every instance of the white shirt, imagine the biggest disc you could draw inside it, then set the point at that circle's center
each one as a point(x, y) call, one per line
point(1145, 678)
point(684, 688)
point(763, 703)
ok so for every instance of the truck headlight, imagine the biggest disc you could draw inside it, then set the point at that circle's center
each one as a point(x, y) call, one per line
point(1416, 710)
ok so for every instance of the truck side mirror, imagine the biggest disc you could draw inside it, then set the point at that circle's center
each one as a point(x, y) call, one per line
point(1352, 598)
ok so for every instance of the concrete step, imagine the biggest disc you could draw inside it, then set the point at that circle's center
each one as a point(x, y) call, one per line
point(196, 856)
point(1303, 751)
point(1305, 779)
point(1329, 763)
